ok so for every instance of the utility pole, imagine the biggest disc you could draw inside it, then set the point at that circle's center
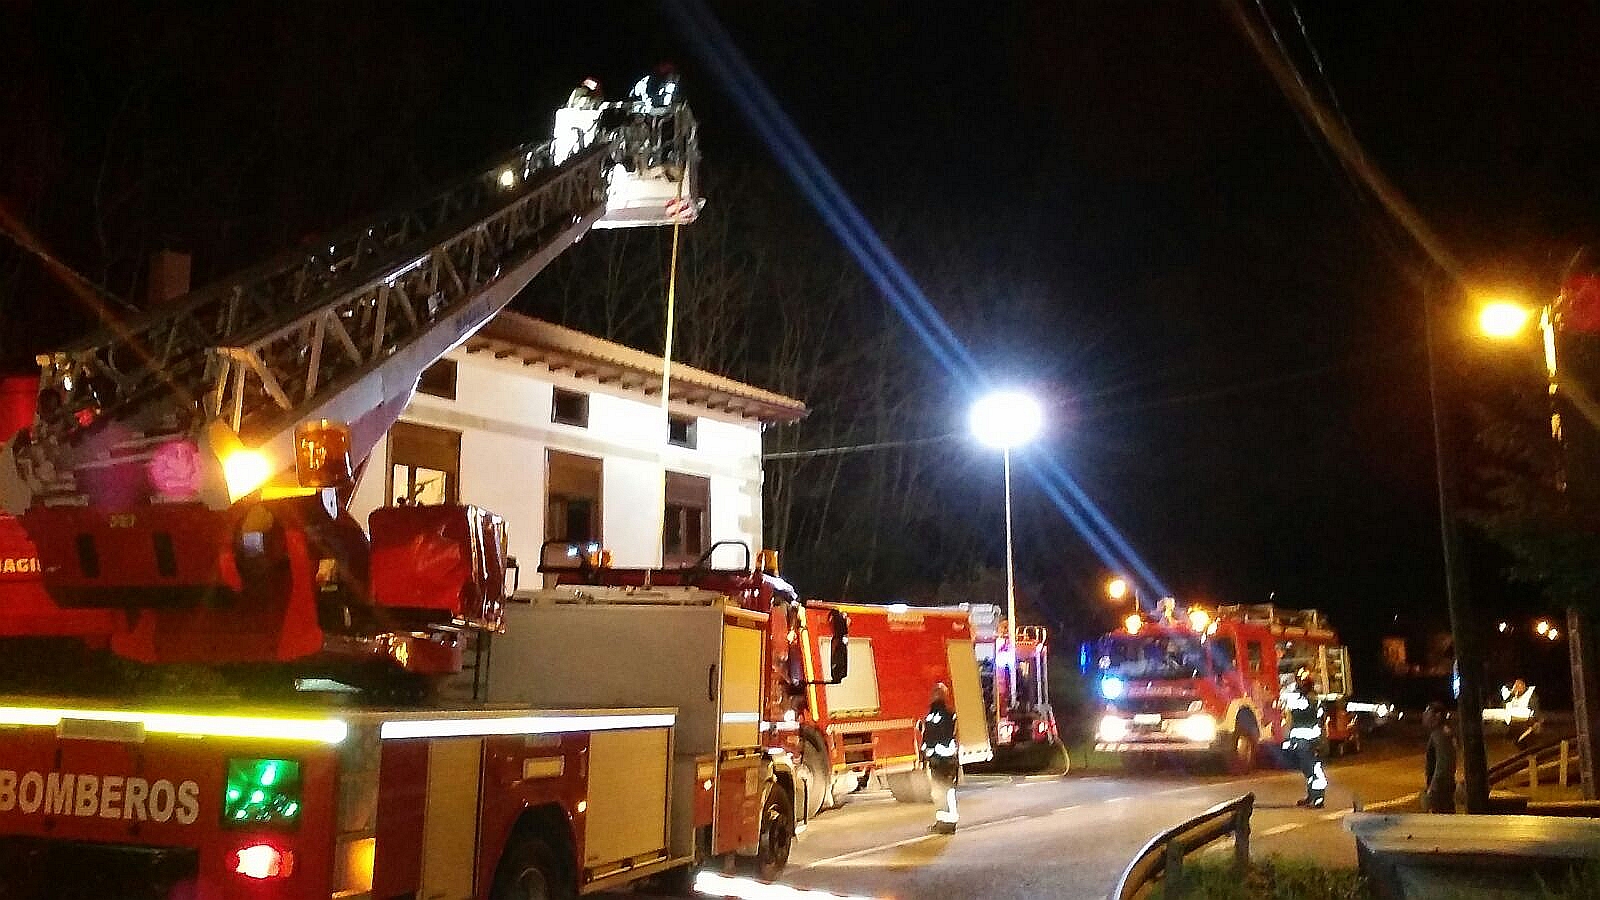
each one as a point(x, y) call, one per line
point(1469, 702)
point(1577, 438)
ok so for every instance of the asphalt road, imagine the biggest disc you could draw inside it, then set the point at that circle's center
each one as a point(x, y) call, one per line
point(1070, 837)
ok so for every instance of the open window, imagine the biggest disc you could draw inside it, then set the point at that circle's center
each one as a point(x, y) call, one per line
point(424, 465)
point(572, 498)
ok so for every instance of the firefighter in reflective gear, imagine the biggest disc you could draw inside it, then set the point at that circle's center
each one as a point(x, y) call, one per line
point(1522, 712)
point(586, 95)
point(1305, 739)
point(942, 756)
point(658, 90)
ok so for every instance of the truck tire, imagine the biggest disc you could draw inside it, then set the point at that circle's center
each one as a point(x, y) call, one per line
point(530, 870)
point(910, 787)
point(1239, 754)
point(777, 834)
point(815, 777)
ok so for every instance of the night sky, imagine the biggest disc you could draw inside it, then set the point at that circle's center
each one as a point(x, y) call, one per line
point(1232, 348)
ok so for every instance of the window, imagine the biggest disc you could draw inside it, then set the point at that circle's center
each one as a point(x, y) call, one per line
point(569, 408)
point(572, 498)
point(681, 431)
point(424, 465)
point(1253, 655)
point(1223, 653)
point(439, 380)
point(686, 527)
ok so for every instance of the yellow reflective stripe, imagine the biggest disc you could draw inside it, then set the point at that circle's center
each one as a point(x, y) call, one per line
point(325, 731)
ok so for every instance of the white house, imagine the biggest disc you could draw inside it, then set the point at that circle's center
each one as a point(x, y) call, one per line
point(563, 434)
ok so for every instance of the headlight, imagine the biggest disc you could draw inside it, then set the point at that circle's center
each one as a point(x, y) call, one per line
point(1113, 729)
point(1112, 687)
point(1200, 728)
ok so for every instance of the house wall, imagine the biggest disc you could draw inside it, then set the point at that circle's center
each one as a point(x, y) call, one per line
point(503, 413)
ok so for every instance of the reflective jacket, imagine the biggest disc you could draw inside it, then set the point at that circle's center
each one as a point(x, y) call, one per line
point(1305, 716)
point(939, 732)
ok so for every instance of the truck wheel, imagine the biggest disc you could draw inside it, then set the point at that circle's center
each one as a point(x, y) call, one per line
point(814, 776)
point(777, 834)
point(1240, 757)
point(530, 870)
point(910, 787)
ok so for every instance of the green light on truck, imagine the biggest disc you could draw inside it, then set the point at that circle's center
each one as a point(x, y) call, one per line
point(262, 793)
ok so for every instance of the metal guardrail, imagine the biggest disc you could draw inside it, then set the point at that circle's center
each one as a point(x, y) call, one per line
point(1164, 855)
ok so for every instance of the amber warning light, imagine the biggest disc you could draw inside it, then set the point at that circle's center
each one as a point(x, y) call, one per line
point(322, 453)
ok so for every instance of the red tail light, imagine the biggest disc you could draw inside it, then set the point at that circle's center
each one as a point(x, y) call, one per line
point(263, 862)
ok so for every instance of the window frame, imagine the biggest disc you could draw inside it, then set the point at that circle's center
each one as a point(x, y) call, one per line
point(691, 431)
point(557, 395)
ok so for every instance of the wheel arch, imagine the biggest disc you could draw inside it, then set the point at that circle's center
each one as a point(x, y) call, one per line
point(551, 824)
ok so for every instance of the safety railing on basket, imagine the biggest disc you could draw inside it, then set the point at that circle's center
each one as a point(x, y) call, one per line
point(1163, 857)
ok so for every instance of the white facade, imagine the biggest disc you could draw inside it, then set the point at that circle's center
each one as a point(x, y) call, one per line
point(502, 412)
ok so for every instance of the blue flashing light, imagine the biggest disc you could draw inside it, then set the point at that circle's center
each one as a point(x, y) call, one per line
point(1112, 687)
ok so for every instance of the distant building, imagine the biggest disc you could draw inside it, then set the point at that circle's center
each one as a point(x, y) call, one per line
point(562, 434)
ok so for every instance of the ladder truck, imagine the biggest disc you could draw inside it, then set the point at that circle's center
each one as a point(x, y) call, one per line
point(180, 491)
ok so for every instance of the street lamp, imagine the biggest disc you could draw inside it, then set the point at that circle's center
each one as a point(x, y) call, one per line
point(1503, 318)
point(1003, 420)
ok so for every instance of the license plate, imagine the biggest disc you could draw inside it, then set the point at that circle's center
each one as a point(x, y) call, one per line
point(1147, 719)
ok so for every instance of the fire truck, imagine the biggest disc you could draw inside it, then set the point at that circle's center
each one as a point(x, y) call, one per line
point(177, 499)
point(1193, 683)
point(847, 683)
point(1023, 728)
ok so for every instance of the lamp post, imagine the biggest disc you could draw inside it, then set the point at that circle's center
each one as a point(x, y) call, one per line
point(1469, 697)
point(1003, 420)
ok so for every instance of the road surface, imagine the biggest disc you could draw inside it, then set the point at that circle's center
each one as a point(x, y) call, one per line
point(1071, 837)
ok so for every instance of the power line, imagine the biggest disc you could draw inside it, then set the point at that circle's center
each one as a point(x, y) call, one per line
point(859, 448)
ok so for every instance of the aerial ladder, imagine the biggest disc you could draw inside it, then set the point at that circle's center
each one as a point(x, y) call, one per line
point(188, 469)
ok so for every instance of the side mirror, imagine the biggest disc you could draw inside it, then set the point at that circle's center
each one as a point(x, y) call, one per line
point(839, 661)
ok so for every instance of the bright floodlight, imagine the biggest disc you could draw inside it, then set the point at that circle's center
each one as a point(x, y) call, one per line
point(1503, 319)
point(1117, 588)
point(1006, 419)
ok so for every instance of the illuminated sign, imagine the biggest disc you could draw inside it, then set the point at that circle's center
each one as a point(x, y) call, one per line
point(20, 565)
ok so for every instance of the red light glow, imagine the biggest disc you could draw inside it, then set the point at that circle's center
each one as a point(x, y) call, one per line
point(263, 861)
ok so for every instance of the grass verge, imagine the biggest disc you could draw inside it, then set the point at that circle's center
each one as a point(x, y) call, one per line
point(1275, 877)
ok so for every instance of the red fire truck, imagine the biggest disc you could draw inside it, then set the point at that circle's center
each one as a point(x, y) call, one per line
point(1195, 683)
point(1016, 685)
point(182, 484)
point(847, 683)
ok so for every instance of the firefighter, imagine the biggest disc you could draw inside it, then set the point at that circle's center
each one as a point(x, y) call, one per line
point(942, 755)
point(586, 95)
point(1439, 767)
point(659, 89)
point(1305, 739)
point(1522, 713)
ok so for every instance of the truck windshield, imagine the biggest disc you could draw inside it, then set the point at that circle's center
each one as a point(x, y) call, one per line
point(1153, 656)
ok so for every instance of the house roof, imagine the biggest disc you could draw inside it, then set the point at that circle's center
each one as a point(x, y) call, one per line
point(512, 335)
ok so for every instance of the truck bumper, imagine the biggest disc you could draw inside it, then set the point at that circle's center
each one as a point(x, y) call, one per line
point(43, 869)
point(1174, 746)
